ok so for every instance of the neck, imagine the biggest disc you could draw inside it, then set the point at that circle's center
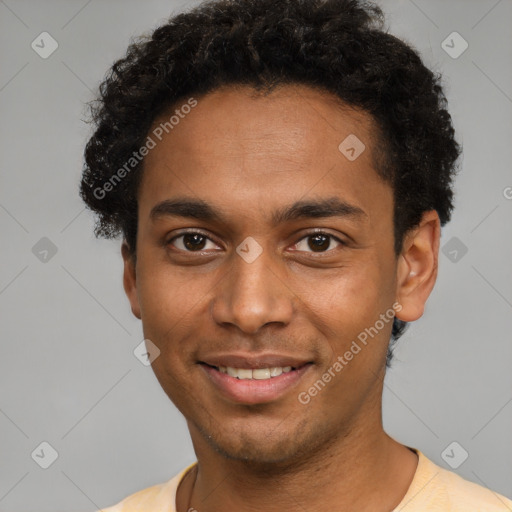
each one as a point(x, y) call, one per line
point(364, 470)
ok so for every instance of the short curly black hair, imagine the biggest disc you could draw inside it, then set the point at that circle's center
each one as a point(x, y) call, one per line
point(338, 46)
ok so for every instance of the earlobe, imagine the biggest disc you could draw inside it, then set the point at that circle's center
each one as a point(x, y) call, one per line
point(417, 267)
point(129, 279)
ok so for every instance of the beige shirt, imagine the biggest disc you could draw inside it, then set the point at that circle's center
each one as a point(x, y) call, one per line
point(433, 489)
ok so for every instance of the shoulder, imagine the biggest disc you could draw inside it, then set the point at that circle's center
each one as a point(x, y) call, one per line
point(466, 496)
point(157, 498)
point(438, 490)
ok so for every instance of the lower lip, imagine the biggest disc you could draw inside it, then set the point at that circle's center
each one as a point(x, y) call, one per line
point(254, 391)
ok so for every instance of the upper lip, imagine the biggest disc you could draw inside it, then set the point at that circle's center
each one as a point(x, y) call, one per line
point(254, 361)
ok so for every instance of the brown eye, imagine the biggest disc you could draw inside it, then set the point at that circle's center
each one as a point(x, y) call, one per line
point(190, 242)
point(317, 242)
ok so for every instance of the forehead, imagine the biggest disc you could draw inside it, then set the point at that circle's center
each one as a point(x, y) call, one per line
point(262, 149)
point(238, 118)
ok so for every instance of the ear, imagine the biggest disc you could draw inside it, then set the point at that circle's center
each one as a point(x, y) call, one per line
point(417, 267)
point(129, 281)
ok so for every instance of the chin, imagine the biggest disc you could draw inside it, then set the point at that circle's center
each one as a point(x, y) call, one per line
point(270, 448)
point(255, 452)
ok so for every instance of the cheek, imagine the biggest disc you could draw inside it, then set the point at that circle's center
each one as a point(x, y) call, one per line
point(170, 307)
point(171, 304)
point(166, 289)
point(348, 304)
point(353, 295)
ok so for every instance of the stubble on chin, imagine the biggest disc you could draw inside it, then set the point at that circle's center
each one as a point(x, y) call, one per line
point(278, 450)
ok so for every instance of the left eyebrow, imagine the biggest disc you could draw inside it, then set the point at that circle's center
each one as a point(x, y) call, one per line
point(314, 209)
point(305, 209)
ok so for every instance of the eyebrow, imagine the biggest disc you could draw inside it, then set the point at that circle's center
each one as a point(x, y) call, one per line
point(305, 209)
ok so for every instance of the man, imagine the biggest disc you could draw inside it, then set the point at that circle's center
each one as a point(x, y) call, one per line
point(279, 172)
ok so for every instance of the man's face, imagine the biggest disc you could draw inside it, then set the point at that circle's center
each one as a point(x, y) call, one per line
point(254, 290)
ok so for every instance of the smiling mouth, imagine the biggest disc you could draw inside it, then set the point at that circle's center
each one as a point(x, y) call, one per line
point(254, 385)
point(253, 373)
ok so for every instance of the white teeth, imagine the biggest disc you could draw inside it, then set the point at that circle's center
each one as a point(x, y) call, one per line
point(257, 373)
point(244, 373)
point(276, 371)
point(261, 373)
point(232, 372)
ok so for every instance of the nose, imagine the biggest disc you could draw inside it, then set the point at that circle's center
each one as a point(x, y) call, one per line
point(253, 294)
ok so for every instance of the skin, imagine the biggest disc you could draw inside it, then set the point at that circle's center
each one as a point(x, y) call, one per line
point(248, 155)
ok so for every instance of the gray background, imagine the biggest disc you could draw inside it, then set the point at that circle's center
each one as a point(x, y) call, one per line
point(68, 375)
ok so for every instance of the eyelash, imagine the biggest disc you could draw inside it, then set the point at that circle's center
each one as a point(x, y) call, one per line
point(311, 234)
